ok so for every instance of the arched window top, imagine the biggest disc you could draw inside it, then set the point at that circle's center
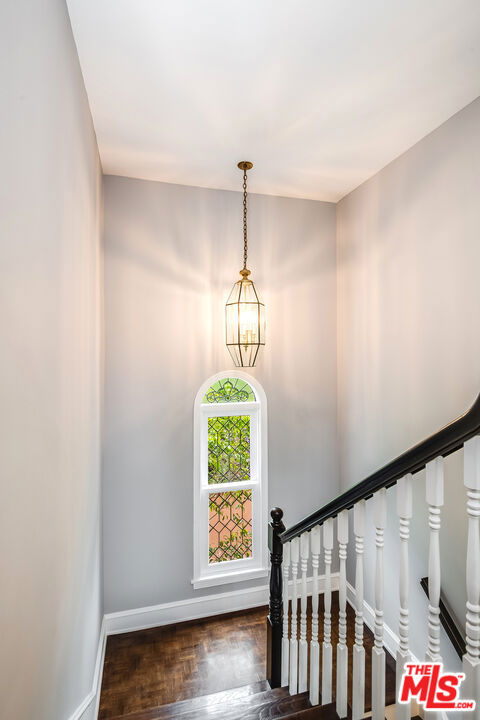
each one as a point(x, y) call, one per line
point(229, 390)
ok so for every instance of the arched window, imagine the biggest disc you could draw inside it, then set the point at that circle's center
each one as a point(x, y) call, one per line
point(230, 480)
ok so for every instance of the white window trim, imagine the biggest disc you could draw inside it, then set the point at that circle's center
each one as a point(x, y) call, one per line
point(233, 571)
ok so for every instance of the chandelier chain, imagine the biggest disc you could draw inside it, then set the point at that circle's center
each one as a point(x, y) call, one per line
point(245, 246)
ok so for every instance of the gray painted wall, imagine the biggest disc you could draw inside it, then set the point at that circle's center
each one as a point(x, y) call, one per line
point(409, 337)
point(50, 194)
point(172, 254)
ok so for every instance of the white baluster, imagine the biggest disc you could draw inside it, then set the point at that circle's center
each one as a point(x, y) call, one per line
point(358, 688)
point(314, 646)
point(285, 638)
point(342, 649)
point(434, 497)
point(378, 653)
point(471, 659)
point(293, 684)
point(303, 645)
point(327, 615)
point(404, 512)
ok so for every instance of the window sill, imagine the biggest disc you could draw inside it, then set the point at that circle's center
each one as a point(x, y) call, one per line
point(228, 578)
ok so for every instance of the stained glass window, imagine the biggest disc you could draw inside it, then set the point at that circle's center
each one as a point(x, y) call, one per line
point(229, 390)
point(229, 449)
point(230, 481)
point(230, 527)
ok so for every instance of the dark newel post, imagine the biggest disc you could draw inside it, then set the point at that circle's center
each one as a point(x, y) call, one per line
point(274, 620)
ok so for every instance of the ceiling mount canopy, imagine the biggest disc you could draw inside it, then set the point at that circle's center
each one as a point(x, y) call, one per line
point(244, 313)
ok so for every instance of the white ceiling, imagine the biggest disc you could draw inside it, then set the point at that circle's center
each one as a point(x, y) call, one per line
point(319, 94)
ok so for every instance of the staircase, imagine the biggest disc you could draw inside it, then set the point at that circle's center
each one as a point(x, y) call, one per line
point(295, 658)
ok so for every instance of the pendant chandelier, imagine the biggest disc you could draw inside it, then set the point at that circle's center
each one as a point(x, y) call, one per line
point(244, 313)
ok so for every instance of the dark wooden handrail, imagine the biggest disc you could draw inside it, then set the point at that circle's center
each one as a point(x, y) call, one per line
point(444, 442)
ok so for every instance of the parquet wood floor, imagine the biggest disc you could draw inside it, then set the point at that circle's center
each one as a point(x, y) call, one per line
point(154, 667)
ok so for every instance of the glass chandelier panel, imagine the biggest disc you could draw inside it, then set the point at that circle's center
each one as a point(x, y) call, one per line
point(244, 313)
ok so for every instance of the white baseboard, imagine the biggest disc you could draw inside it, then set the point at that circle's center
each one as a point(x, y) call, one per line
point(88, 710)
point(196, 608)
point(85, 710)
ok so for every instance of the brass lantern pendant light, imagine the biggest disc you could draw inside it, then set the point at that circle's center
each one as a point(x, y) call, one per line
point(244, 313)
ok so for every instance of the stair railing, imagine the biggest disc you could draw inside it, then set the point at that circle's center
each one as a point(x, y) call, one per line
point(289, 648)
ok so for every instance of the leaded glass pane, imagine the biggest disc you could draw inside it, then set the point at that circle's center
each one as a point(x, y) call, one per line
point(230, 528)
point(229, 390)
point(228, 449)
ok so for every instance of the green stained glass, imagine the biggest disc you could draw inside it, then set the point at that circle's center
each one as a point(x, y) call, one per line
point(229, 449)
point(229, 390)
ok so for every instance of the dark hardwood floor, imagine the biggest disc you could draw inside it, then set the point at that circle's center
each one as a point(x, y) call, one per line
point(167, 664)
point(155, 667)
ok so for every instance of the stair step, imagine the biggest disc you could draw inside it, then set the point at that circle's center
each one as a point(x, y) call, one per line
point(251, 702)
point(222, 698)
point(209, 703)
point(318, 712)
